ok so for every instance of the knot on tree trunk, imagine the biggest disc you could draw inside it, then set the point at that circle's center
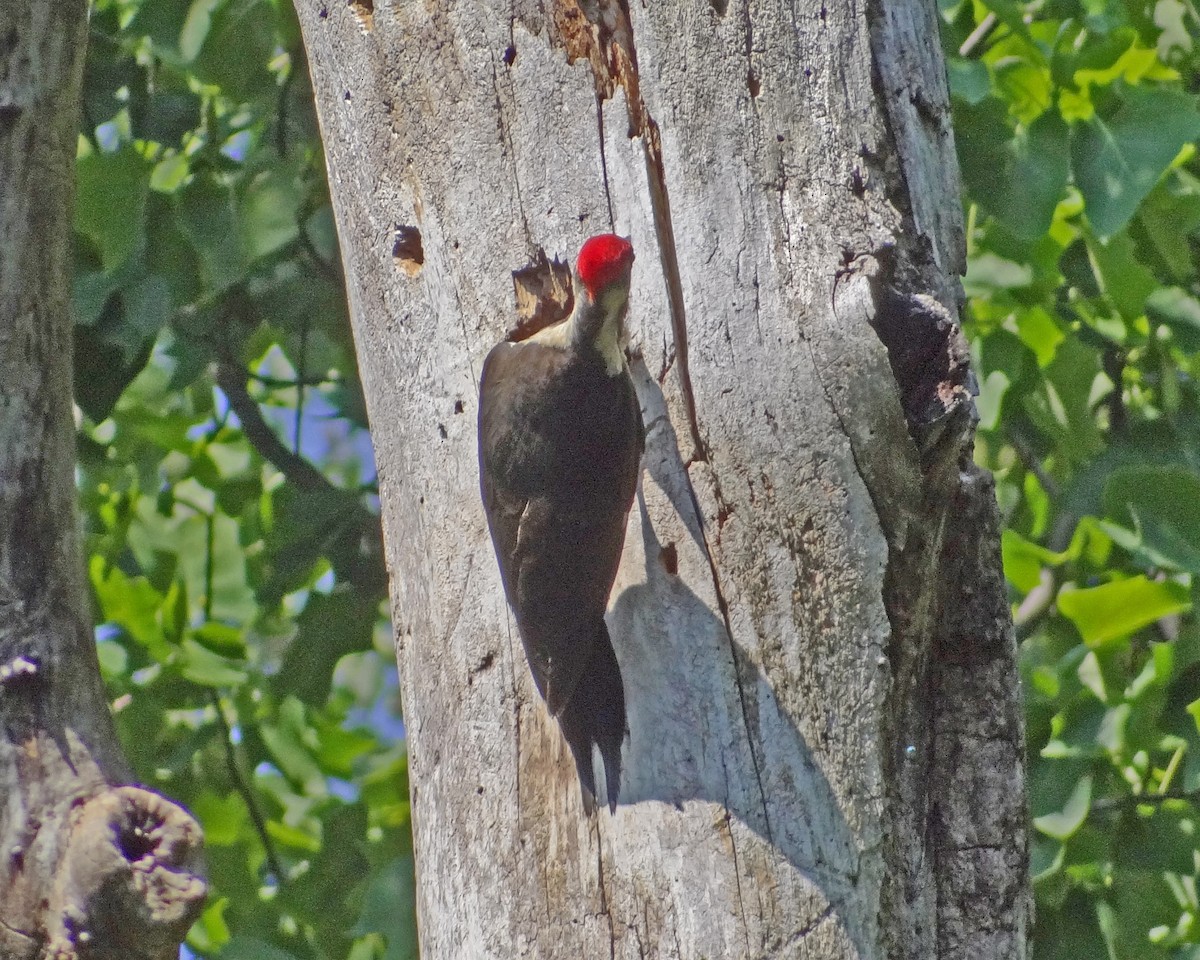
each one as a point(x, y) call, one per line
point(130, 882)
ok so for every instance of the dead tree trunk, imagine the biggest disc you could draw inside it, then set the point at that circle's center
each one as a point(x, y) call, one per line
point(825, 754)
point(88, 867)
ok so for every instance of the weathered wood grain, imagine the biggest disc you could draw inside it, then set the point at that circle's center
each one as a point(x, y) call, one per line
point(786, 172)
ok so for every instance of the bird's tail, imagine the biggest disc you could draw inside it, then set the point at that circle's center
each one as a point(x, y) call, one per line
point(596, 714)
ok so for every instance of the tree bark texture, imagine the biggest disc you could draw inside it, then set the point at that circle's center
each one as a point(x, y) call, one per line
point(826, 748)
point(89, 867)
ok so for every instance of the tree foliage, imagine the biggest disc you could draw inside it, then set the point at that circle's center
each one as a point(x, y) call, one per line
point(238, 588)
point(1076, 122)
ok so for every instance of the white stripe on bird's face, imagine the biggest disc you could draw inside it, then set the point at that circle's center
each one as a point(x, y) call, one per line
point(608, 338)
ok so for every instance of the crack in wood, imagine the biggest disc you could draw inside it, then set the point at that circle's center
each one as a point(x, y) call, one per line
point(614, 61)
point(612, 220)
point(726, 825)
point(506, 134)
point(605, 909)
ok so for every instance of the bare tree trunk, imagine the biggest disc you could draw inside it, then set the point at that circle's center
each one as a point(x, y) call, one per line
point(826, 749)
point(87, 867)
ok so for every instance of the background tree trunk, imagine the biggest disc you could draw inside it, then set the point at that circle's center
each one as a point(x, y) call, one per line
point(87, 867)
point(825, 753)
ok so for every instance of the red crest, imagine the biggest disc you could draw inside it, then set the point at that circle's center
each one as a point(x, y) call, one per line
point(603, 259)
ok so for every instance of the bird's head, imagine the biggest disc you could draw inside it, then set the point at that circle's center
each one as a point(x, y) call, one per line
point(602, 275)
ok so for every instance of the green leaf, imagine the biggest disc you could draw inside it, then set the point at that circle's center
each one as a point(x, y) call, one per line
point(170, 173)
point(385, 791)
point(193, 31)
point(1025, 85)
point(1072, 933)
point(1161, 506)
point(170, 115)
point(1139, 901)
point(221, 638)
point(102, 368)
point(210, 933)
point(321, 230)
point(1164, 839)
point(1019, 177)
point(988, 272)
point(267, 214)
point(148, 307)
point(224, 818)
point(238, 41)
point(114, 660)
point(292, 743)
point(206, 218)
point(389, 908)
point(1165, 228)
point(1121, 277)
point(331, 625)
point(110, 203)
point(1119, 155)
point(131, 604)
point(292, 836)
point(170, 255)
point(1040, 333)
point(1179, 311)
point(90, 293)
point(1060, 406)
point(161, 21)
point(252, 948)
point(338, 748)
point(1024, 560)
point(1065, 822)
point(209, 669)
point(1109, 613)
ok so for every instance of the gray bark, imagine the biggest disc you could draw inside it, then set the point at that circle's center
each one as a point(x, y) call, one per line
point(89, 867)
point(826, 751)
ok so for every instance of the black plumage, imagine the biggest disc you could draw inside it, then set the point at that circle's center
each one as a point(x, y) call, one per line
point(560, 446)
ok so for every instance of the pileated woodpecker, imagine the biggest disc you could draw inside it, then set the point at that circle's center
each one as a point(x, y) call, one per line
point(560, 449)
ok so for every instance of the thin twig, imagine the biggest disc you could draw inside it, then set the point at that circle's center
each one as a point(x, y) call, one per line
point(1105, 804)
point(281, 114)
point(1031, 463)
point(977, 35)
point(302, 372)
point(1113, 360)
point(327, 267)
point(277, 383)
point(247, 795)
point(235, 773)
point(210, 565)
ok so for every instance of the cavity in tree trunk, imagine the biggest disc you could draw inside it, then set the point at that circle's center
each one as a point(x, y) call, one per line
point(89, 865)
point(825, 751)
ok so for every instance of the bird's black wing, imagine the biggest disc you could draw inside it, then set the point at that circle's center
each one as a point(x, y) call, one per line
point(548, 545)
point(557, 520)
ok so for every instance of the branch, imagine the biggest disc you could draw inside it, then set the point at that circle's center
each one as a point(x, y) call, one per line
point(365, 567)
point(131, 879)
point(275, 383)
point(298, 471)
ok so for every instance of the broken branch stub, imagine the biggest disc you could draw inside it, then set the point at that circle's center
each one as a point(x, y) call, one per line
point(131, 879)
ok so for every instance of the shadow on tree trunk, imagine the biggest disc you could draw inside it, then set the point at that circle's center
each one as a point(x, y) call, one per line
point(704, 721)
